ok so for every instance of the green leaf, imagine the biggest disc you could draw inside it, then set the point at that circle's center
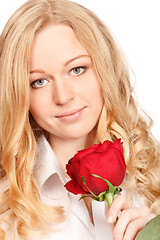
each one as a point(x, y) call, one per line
point(101, 196)
point(118, 191)
point(85, 196)
point(151, 231)
point(111, 187)
point(84, 181)
point(109, 196)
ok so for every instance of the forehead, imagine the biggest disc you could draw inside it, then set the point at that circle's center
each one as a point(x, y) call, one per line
point(58, 41)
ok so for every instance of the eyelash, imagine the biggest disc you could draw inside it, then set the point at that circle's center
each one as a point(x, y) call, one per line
point(34, 82)
point(82, 68)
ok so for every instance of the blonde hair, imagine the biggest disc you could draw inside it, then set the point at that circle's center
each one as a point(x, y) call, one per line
point(120, 116)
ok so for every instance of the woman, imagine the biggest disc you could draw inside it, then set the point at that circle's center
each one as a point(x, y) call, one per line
point(64, 87)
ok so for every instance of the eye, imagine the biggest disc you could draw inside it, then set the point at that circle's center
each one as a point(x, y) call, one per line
point(39, 83)
point(78, 70)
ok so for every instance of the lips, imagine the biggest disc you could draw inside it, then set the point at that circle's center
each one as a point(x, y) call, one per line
point(71, 115)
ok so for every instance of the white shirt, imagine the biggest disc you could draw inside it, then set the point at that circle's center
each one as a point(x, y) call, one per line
point(77, 225)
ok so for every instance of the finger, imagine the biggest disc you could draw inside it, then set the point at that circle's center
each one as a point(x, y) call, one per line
point(120, 203)
point(126, 217)
point(106, 209)
point(106, 214)
point(135, 226)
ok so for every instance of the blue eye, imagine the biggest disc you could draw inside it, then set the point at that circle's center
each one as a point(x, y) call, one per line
point(77, 71)
point(39, 83)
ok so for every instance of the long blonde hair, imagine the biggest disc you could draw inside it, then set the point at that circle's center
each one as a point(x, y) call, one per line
point(120, 116)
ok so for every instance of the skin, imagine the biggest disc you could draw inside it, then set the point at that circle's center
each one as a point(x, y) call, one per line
point(63, 103)
point(66, 101)
point(131, 219)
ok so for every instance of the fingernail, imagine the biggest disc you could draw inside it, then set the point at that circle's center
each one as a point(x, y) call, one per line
point(110, 219)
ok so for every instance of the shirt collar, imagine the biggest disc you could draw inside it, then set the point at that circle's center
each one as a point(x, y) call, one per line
point(47, 166)
point(47, 163)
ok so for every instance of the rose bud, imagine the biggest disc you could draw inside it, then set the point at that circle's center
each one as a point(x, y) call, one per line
point(105, 160)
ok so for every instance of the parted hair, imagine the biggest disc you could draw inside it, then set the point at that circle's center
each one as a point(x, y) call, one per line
point(120, 118)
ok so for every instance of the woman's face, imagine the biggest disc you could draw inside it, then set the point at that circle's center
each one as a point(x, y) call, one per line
point(65, 96)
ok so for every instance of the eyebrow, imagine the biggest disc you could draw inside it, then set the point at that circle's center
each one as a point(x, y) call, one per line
point(66, 63)
point(75, 58)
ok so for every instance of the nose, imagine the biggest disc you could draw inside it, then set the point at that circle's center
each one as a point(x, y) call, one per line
point(63, 91)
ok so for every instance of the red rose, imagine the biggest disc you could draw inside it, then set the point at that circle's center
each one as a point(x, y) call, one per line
point(105, 160)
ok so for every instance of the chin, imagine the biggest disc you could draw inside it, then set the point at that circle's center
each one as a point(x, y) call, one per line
point(80, 133)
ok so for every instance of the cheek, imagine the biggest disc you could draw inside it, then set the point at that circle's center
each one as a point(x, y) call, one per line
point(96, 99)
point(95, 93)
point(37, 105)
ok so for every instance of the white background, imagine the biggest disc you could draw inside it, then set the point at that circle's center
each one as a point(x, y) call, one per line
point(136, 25)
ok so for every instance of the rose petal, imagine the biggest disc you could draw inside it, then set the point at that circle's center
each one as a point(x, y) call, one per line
point(84, 152)
point(73, 187)
point(105, 160)
point(117, 144)
point(108, 168)
point(103, 147)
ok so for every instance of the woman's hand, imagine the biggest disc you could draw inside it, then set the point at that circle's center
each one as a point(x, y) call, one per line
point(130, 219)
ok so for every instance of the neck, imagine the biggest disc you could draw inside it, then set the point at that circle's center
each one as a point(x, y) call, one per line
point(65, 149)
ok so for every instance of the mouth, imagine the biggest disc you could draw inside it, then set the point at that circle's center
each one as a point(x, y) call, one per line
point(71, 115)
